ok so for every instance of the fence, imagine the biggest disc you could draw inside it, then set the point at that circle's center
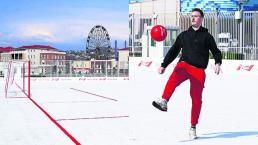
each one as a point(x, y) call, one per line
point(75, 68)
point(237, 38)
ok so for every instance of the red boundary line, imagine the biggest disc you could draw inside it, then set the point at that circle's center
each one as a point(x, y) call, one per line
point(94, 94)
point(53, 120)
point(88, 118)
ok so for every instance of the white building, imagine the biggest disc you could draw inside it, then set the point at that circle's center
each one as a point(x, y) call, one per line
point(153, 6)
point(143, 15)
point(39, 56)
point(123, 54)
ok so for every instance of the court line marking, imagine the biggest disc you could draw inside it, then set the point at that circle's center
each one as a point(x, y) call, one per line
point(94, 94)
point(90, 118)
point(52, 119)
point(70, 102)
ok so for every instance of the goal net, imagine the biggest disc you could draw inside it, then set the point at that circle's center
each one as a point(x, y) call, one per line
point(17, 79)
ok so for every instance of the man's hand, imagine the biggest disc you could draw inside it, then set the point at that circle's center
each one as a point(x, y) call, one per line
point(217, 68)
point(161, 70)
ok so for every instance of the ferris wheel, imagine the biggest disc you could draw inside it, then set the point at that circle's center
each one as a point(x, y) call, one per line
point(98, 38)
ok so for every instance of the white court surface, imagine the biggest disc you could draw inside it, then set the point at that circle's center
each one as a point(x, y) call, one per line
point(119, 112)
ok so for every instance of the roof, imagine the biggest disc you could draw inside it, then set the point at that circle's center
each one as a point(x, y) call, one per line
point(124, 49)
point(36, 47)
point(6, 49)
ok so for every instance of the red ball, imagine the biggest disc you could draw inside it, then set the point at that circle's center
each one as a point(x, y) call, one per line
point(158, 33)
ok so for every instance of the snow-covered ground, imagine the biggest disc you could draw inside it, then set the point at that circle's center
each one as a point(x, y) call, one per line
point(119, 111)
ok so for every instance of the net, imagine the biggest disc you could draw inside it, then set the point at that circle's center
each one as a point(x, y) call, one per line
point(17, 79)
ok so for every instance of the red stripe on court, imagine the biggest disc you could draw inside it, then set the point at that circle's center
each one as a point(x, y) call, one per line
point(88, 118)
point(94, 94)
point(52, 119)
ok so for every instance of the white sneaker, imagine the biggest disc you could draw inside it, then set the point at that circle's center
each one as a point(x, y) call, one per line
point(192, 133)
point(160, 104)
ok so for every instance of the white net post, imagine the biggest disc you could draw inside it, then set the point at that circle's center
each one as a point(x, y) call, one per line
point(17, 79)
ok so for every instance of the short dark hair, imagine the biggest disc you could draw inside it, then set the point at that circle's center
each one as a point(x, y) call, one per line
point(198, 10)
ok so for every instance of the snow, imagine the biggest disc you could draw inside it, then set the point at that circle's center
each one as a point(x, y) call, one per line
point(229, 115)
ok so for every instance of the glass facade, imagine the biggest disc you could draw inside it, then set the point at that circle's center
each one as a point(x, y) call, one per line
point(220, 5)
point(135, 1)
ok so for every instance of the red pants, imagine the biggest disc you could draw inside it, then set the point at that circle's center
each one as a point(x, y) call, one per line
point(182, 72)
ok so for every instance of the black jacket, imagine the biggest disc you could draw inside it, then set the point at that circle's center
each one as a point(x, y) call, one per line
point(195, 47)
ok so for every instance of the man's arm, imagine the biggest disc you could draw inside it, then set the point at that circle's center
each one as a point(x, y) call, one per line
point(173, 52)
point(214, 50)
point(216, 54)
point(217, 68)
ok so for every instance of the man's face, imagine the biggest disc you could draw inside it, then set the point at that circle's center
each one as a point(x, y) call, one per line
point(196, 19)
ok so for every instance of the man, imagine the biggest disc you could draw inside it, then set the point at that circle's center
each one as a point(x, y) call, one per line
point(195, 44)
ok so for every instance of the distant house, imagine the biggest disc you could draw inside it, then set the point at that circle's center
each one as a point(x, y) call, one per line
point(81, 66)
point(3, 51)
point(6, 49)
point(4, 56)
point(123, 58)
point(123, 54)
point(39, 56)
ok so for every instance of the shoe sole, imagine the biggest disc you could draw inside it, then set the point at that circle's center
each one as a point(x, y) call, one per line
point(195, 138)
point(158, 107)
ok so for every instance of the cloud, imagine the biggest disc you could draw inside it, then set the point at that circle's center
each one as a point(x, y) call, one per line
point(23, 31)
point(66, 30)
point(71, 27)
point(116, 22)
point(37, 31)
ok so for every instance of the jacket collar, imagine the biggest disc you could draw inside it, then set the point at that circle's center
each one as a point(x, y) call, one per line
point(201, 29)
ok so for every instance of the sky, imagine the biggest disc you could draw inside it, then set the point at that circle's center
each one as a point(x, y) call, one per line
point(63, 24)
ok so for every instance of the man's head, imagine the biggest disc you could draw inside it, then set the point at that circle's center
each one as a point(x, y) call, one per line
point(197, 17)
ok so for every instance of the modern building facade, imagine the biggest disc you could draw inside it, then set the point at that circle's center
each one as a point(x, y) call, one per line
point(233, 23)
point(146, 13)
point(218, 5)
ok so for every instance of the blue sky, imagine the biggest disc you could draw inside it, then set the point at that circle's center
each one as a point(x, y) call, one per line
point(63, 24)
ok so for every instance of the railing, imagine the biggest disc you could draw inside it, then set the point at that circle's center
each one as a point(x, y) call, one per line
point(82, 68)
point(135, 51)
point(232, 53)
point(240, 53)
point(240, 36)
